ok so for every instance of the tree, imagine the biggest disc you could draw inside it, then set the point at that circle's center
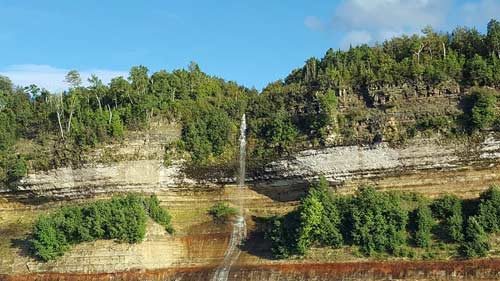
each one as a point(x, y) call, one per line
point(479, 72)
point(73, 79)
point(139, 79)
point(476, 241)
point(311, 216)
point(423, 226)
point(480, 108)
point(328, 233)
point(493, 37)
point(116, 126)
point(377, 222)
point(489, 210)
point(448, 209)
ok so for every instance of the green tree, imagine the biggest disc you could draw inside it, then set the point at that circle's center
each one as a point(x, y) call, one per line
point(493, 37)
point(424, 223)
point(311, 216)
point(489, 210)
point(448, 209)
point(480, 108)
point(377, 222)
point(476, 241)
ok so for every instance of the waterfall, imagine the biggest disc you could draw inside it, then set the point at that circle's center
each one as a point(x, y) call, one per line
point(243, 151)
point(239, 225)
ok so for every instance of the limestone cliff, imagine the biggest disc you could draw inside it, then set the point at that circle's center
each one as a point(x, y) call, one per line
point(422, 165)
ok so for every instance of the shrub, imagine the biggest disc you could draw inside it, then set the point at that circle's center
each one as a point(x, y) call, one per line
point(221, 212)
point(283, 233)
point(489, 210)
point(423, 226)
point(480, 108)
point(122, 218)
point(449, 210)
point(476, 241)
point(157, 213)
point(377, 221)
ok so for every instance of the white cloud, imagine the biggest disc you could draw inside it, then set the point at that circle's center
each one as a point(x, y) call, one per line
point(377, 20)
point(52, 78)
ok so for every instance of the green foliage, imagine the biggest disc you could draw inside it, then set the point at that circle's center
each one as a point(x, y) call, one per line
point(423, 224)
point(316, 221)
point(157, 213)
point(311, 214)
point(476, 242)
point(448, 209)
point(377, 222)
point(489, 210)
point(123, 218)
point(221, 212)
point(482, 109)
point(283, 233)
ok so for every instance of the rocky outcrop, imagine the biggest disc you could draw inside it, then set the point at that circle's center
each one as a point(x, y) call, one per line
point(422, 165)
point(414, 164)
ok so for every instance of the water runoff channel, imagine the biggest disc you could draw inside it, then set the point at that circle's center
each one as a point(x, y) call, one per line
point(239, 230)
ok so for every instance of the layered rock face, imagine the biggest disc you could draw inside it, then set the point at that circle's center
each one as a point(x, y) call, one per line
point(423, 165)
point(422, 271)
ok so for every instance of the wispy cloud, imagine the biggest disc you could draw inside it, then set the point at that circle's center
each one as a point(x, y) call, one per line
point(376, 20)
point(52, 78)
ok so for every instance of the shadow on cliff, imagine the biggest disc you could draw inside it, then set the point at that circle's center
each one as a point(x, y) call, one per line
point(24, 246)
point(288, 193)
point(256, 244)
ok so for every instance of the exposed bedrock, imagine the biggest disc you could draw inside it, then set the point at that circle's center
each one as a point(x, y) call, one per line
point(485, 270)
point(423, 165)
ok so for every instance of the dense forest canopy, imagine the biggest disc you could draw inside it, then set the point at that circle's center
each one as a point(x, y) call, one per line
point(351, 96)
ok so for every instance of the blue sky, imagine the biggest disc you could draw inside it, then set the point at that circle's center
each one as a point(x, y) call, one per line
point(251, 42)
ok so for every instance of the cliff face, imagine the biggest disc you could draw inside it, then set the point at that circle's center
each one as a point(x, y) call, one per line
point(423, 165)
point(485, 270)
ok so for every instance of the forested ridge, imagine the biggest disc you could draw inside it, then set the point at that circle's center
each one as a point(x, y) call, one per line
point(346, 97)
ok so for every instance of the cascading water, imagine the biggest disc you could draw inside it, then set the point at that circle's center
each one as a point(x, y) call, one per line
point(239, 226)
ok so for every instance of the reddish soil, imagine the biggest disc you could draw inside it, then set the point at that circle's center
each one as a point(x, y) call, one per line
point(487, 270)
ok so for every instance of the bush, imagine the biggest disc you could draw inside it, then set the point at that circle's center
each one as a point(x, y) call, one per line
point(122, 218)
point(449, 210)
point(221, 212)
point(480, 108)
point(377, 222)
point(489, 210)
point(476, 241)
point(423, 224)
point(158, 214)
point(283, 233)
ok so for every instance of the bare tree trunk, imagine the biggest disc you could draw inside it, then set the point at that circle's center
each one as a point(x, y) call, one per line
point(444, 50)
point(60, 125)
point(110, 114)
point(99, 102)
point(69, 120)
point(420, 49)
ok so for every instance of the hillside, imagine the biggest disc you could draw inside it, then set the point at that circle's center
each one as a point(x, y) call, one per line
point(416, 118)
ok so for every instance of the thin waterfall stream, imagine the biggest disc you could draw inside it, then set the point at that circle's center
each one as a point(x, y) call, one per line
point(239, 231)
